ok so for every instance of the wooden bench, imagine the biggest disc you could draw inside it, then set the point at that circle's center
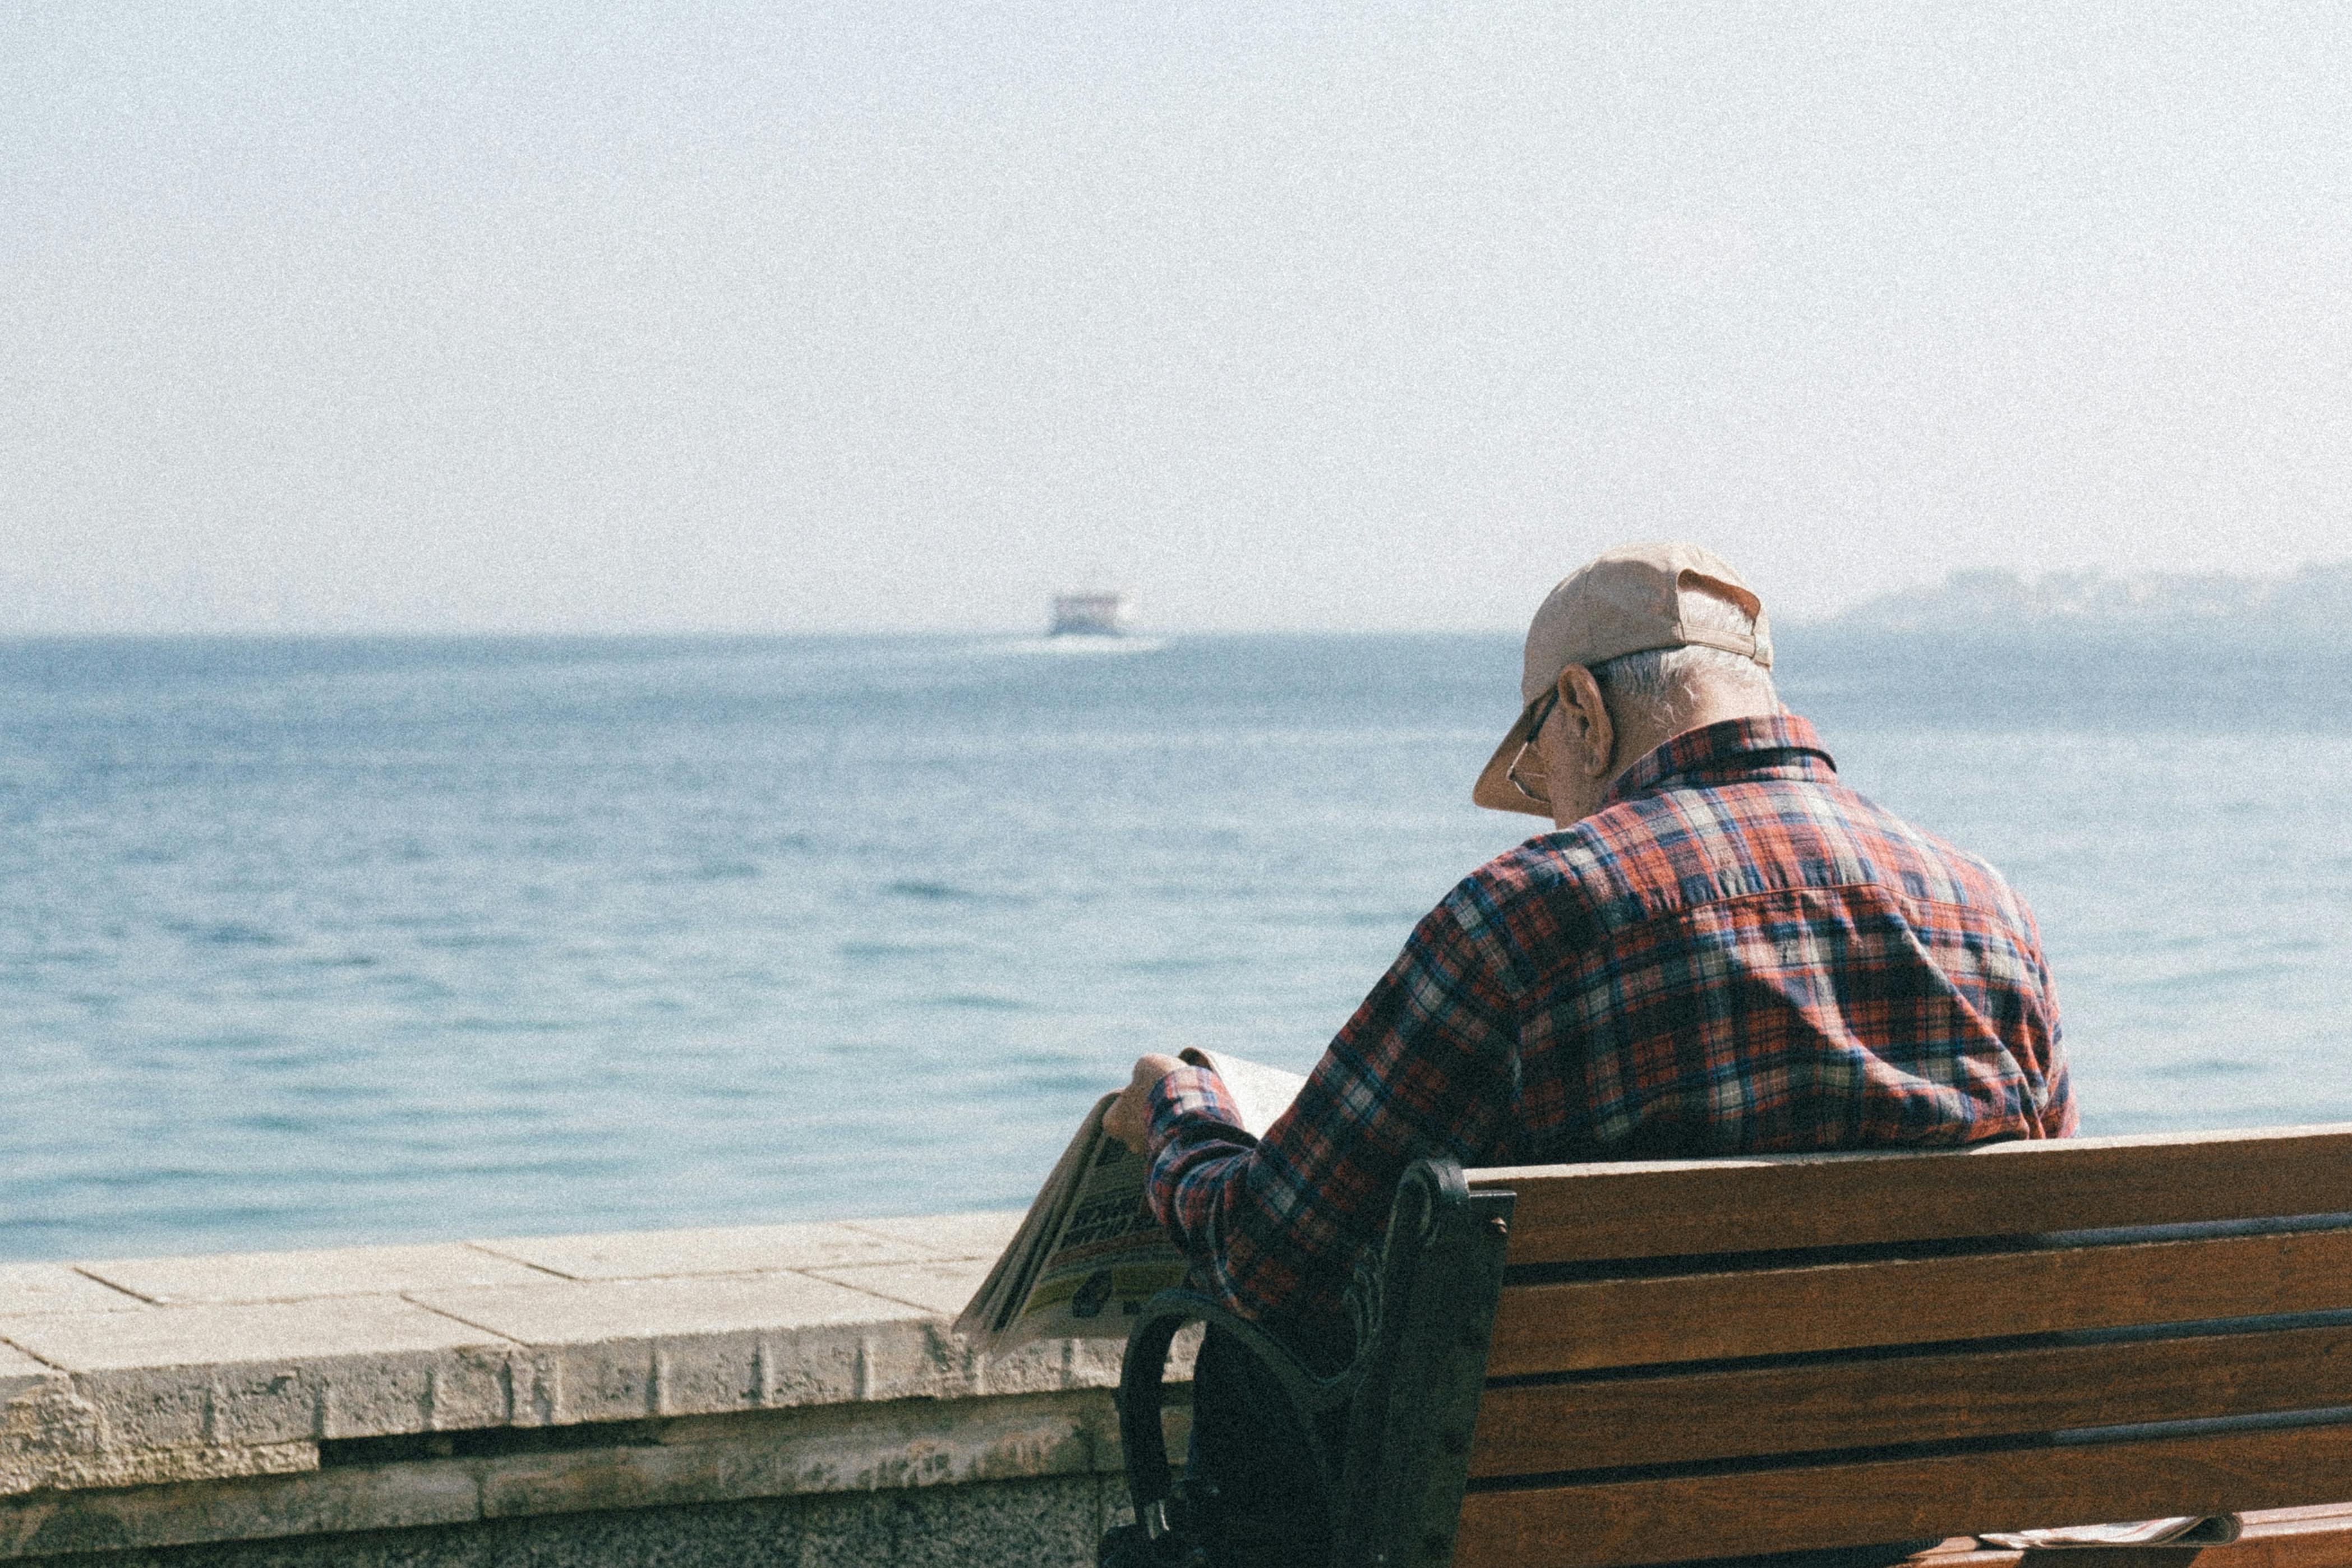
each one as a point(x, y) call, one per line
point(1577, 1366)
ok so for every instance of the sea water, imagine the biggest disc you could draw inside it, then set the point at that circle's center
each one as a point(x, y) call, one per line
point(306, 941)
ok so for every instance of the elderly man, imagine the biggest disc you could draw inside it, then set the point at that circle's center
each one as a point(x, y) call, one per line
point(1719, 950)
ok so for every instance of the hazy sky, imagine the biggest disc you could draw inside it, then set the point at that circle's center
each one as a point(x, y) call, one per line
point(883, 314)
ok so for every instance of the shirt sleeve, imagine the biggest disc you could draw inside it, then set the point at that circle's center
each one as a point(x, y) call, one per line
point(1423, 1069)
point(2059, 1117)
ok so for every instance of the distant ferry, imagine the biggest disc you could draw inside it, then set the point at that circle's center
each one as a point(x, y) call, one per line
point(1105, 614)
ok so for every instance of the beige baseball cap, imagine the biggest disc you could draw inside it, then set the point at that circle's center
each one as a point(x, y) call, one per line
point(1627, 600)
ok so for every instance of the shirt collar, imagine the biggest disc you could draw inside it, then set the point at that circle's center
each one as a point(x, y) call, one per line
point(1780, 745)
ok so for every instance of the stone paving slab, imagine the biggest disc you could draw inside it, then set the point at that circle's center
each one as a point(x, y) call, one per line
point(230, 1335)
point(186, 1393)
point(619, 1350)
point(726, 1249)
point(231, 1276)
point(15, 1364)
point(628, 1349)
point(586, 1313)
point(982, 1234)
point(942, 1286)
point(30, 1287)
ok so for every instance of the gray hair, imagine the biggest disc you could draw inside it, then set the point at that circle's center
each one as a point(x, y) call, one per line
point(1664, 681)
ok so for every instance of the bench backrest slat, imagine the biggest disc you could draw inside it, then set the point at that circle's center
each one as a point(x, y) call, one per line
point(1583, 1325)
point(1816, 1407)
point(1666, 1208)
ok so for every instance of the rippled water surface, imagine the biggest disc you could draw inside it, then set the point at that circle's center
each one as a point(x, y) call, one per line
point(306, 941)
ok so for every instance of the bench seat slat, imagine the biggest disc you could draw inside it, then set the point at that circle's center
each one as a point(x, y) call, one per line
point(1668, 1208)
point(1588, 1324)
point(2274, 1538)
point(1680, 1418)
point(1657, 1520)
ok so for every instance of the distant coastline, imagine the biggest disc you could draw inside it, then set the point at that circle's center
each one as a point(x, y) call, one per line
point(2317, 597)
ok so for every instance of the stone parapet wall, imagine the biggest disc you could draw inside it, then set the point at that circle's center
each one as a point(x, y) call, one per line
point(277, 1398)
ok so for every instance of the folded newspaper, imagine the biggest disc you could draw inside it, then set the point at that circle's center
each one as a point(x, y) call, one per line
point(2194, 1530)
point(1090, 1253)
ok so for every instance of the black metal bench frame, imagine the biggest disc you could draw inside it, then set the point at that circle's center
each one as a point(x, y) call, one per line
point(1409, 1396)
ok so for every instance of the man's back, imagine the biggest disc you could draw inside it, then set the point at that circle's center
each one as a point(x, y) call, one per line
point(1740, 954)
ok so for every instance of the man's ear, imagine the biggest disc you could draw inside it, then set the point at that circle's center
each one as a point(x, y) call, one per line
point(1590, 736)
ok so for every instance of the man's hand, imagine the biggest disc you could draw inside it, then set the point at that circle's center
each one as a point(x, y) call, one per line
point(1128, 1119)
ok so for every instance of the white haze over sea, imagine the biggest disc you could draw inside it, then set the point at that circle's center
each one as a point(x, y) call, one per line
point(601, 315)
point(313, 941)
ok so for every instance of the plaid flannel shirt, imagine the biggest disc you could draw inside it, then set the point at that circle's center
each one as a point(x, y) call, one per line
point(1736, 954)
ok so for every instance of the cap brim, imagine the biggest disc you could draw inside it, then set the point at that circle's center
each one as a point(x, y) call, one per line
point(1495, 790)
